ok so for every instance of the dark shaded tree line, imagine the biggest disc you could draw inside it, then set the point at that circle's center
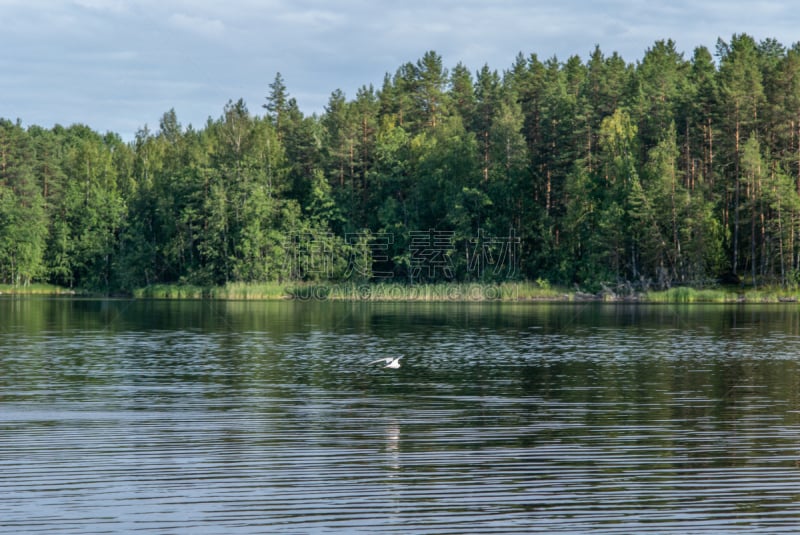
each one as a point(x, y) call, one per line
point(667, 171)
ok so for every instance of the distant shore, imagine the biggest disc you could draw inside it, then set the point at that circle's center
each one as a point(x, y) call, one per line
point(45, 290)
point(439, 292)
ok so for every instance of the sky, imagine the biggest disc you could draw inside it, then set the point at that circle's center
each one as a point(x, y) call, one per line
point(118, 65)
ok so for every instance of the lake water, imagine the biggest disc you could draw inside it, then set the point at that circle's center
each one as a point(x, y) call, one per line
point(265, 417)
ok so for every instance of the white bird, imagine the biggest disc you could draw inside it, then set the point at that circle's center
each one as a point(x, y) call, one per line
point(389, 361)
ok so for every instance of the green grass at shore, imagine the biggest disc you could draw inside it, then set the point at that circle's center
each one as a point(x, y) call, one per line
point(234, 290)
point(242, 290)
point(447, 291)
point(685, 294)
point(508, 291)
point(771, 294)
point(35, 289)
point(765, 294)
point(170, 291)
point(453, 291)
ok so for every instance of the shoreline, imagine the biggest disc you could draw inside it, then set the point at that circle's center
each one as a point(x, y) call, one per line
point(516, 292)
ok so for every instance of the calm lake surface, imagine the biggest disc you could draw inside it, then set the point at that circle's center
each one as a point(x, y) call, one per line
point(265, 417)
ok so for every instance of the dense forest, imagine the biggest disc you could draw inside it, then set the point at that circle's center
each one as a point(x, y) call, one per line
point(662, 172)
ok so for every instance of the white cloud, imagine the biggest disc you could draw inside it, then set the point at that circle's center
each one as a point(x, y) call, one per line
point(77, 58)
point(311, 19)
point(206, 27)
point(112, 6)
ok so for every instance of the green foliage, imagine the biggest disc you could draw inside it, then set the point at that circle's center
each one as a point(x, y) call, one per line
point(23, 227)
point(652, 175)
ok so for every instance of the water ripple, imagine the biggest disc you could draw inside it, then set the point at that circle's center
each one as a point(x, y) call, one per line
point(611, 427)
